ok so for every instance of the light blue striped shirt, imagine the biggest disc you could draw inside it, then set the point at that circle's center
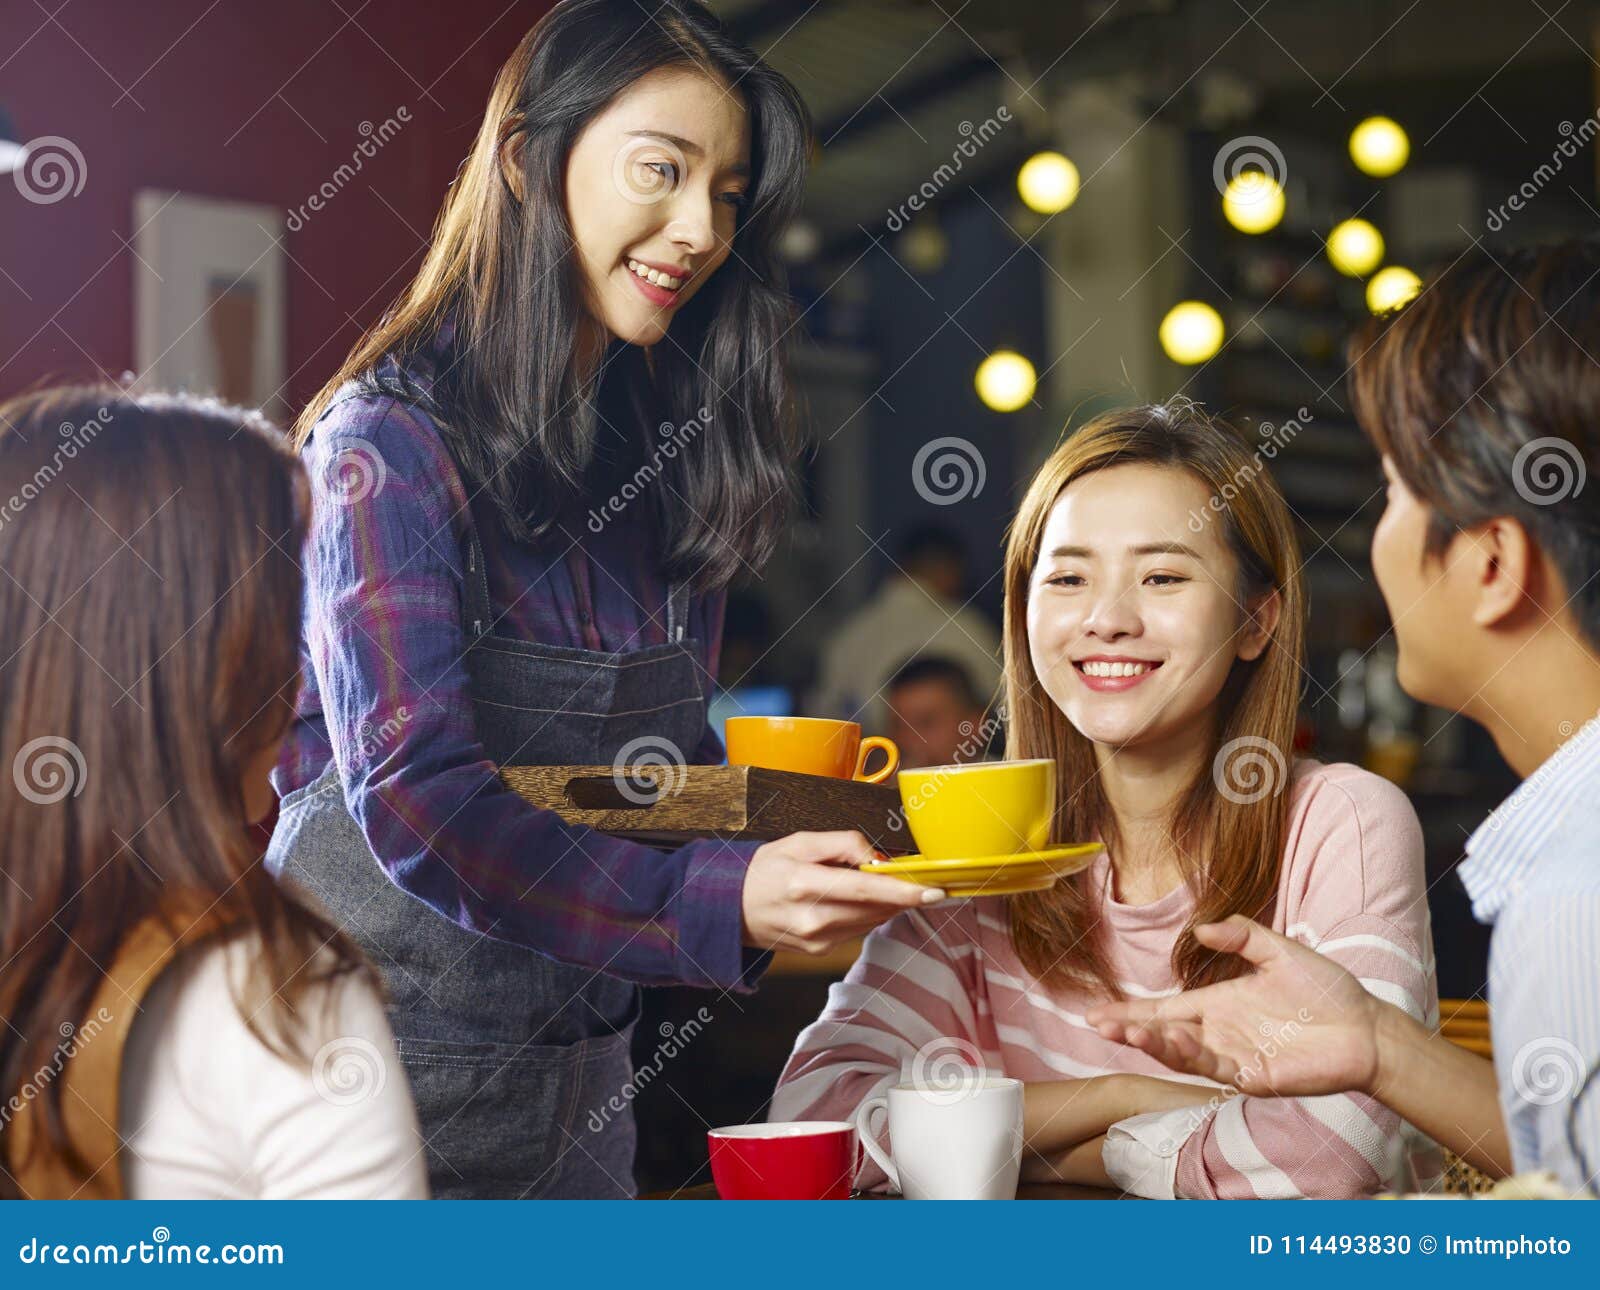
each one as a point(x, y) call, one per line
point(1533, 870)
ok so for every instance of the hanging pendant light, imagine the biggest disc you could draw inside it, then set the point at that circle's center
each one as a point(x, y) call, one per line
point(1379, 146)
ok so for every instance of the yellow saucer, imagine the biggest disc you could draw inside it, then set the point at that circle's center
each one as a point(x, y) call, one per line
point(990, 875)
point(997, 887)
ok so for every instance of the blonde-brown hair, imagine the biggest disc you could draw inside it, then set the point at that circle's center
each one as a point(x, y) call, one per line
point(1056, 933)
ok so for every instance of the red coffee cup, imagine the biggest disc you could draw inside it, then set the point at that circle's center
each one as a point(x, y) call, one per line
point(799, 1160)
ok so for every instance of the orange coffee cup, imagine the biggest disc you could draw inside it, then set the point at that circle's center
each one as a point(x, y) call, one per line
point(808, 746)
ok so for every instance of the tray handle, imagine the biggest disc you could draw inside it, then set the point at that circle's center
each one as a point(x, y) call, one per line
point(631, 788)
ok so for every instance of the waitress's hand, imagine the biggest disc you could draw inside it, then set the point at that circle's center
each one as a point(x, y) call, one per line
point(803, 893)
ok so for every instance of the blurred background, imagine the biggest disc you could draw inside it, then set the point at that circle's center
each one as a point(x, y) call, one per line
point(1021, 212)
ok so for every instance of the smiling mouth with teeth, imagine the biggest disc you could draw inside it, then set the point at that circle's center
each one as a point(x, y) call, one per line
point(654, 276)
point(1094, 667)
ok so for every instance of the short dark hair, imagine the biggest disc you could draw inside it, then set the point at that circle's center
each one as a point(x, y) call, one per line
point(938, 668)
point(1484, 390)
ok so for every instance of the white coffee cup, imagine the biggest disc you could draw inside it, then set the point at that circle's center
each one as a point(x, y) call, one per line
point(959, 1141)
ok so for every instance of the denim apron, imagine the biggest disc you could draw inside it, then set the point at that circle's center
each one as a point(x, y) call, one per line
point(508, 1052)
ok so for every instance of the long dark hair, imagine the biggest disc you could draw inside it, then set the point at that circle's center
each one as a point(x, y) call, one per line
point(508, 395)
point(148, 655)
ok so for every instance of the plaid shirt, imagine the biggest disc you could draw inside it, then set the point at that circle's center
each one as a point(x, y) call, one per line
point(385, 694)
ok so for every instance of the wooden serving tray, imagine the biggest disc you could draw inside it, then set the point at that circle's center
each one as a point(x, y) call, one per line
point(669, 805)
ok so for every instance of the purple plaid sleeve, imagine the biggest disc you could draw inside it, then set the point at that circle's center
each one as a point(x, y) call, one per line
point(389, 687)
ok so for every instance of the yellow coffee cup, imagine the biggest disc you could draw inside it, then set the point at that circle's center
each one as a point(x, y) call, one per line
point(985, 808)
point(808, 746)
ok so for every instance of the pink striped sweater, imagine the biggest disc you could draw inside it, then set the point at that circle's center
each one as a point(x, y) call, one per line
point(1352, 886)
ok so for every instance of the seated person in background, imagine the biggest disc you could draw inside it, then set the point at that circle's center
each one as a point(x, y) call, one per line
point(1482, 395)
point(935, 716)
point(921, 608)
point(1154, 648)
point(221, 1039)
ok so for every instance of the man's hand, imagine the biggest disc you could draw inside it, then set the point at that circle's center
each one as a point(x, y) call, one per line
point(1299, 1025)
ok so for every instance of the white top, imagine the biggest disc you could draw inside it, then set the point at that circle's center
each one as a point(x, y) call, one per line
point(903, 621)
point(209, 1112)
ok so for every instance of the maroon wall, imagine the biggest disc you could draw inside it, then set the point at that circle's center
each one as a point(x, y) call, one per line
point(253, 100)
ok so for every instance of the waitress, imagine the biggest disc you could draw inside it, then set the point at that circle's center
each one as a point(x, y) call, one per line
point(537, 476)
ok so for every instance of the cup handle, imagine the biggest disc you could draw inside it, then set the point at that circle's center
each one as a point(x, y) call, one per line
point(865, 1136)
point(891, 759)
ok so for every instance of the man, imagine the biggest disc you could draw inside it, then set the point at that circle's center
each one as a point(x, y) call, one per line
point(1482, 395)
point(918, 610)
point(936, 717)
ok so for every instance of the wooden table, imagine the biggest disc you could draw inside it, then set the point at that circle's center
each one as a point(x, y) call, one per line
point(1026, 1191)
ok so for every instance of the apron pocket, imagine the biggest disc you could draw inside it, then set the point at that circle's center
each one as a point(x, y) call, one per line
point(513, 1122)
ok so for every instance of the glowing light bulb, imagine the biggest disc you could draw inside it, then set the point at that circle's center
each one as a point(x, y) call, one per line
point(1355, 248)
point(1391, 287)
point(1048, 182)
point(1191, 332)
point(1379, 147)
point(1005, 381)
point(1253, 202)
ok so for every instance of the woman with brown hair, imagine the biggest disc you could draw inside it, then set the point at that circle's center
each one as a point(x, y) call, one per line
point(175, 1026)
point(1482, 396)
point(1154, 642)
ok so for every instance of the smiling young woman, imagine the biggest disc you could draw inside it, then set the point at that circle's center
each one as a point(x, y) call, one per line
point(1159, 664)
point(1481, 396)
point(513, 564)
